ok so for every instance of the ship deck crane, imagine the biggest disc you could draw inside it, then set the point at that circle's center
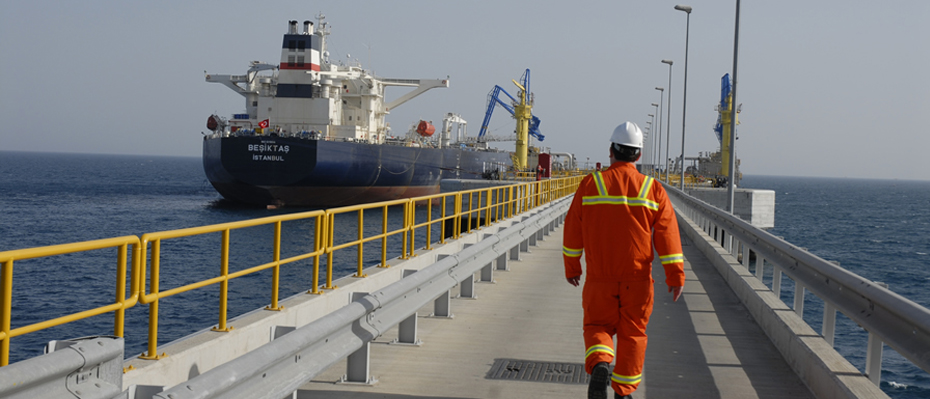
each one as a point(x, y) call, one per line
point(527, 124)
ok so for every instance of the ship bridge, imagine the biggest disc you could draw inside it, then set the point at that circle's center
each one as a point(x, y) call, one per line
point(487, 313)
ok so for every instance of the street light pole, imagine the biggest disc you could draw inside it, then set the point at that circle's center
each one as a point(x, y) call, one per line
point(731, 179)
point(658, 125)
point(684, 101)
point(661, 94)
point(668, 111)
point(648, 157)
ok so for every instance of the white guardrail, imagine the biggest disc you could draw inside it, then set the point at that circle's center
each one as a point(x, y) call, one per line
point(888, 317)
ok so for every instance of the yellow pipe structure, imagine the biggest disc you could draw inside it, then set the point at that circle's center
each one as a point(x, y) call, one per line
point(522, 113)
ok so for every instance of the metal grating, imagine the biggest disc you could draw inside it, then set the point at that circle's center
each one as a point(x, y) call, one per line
point(529, 370)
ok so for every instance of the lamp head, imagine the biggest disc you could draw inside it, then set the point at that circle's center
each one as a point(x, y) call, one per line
point(684, 8)
point(660, 88)
point(669, 62)
point(655, 104)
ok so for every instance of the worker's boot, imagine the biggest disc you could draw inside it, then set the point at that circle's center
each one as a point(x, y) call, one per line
point(600, 380)
point(617, 396)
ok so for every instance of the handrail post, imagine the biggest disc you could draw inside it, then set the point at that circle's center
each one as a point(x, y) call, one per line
point(525, 199)
point(384, 222)
point(442, 224)
point(471, 196)
point(409, 219)
point(760, 266)
point(458, 216)
point(138, 255)
point(429, 224)
point(829, 322)
point(412, 219)
point(153, 306)
point(487, 206)
point(276, 271)
point(497, 203)
point(120, 315)
point(799, 298)
point(404, 251)
point(538, 194)
point(224, 285)
point(360, 272)
point(745, 254)
point(6, 305)
point(318, 231)
point(330, 223)
point(873, 359)
point(776, 281)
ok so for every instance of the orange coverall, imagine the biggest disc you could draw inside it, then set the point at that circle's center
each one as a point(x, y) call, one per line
point(611, 220)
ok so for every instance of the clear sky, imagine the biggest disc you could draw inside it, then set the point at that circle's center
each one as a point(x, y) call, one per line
point(829, 88)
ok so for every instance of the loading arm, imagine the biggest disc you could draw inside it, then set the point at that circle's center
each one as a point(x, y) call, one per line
point(494, 98)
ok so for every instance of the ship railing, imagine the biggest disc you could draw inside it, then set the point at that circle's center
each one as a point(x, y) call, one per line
point(127, 260)
point(887, 317)
point(145, 258)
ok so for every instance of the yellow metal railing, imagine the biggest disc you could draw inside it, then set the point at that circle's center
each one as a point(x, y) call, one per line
point(437, 199)
point(361, 240)
point(153, 297)
point(124, 261)
point(484, 206)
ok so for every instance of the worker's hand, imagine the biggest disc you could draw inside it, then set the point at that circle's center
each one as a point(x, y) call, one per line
point(574, 280)
point(676, 292)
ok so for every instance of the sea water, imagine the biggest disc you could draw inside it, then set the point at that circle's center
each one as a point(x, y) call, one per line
point(50, 199)
point(879, 229)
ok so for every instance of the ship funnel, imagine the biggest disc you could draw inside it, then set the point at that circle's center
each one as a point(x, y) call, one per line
point(308, 28)
point(292, 27)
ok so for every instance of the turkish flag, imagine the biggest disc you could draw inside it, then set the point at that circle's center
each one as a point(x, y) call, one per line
point(263, 124)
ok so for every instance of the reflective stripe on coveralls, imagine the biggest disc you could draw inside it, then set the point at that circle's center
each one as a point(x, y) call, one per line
point(575, 253)
point(599, 348)
point(672, 258)
point(603, 198)
point(626, 379)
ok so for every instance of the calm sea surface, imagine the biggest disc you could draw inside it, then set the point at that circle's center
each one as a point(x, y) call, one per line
point(879, 229)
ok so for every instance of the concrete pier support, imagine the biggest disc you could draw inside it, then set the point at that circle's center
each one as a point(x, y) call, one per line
point(754, 206)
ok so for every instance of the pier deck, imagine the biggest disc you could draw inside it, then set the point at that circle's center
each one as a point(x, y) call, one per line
point(706, 345)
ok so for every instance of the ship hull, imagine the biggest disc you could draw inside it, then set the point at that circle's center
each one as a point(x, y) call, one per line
point(291, 171)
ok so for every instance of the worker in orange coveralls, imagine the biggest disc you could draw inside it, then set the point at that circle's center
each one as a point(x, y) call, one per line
point(615, 218)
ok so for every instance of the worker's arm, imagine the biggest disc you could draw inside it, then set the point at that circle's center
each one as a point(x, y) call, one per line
point(572, 240)
point(667, 242)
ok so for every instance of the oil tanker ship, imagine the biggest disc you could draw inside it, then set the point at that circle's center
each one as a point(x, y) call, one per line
point(314, 134)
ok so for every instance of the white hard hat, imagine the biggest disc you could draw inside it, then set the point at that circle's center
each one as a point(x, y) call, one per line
point(628, 134)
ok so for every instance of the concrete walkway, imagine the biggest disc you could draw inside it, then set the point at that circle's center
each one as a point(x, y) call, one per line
point(706, 345)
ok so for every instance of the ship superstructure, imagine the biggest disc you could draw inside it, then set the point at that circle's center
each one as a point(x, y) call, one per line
point(307, 94)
